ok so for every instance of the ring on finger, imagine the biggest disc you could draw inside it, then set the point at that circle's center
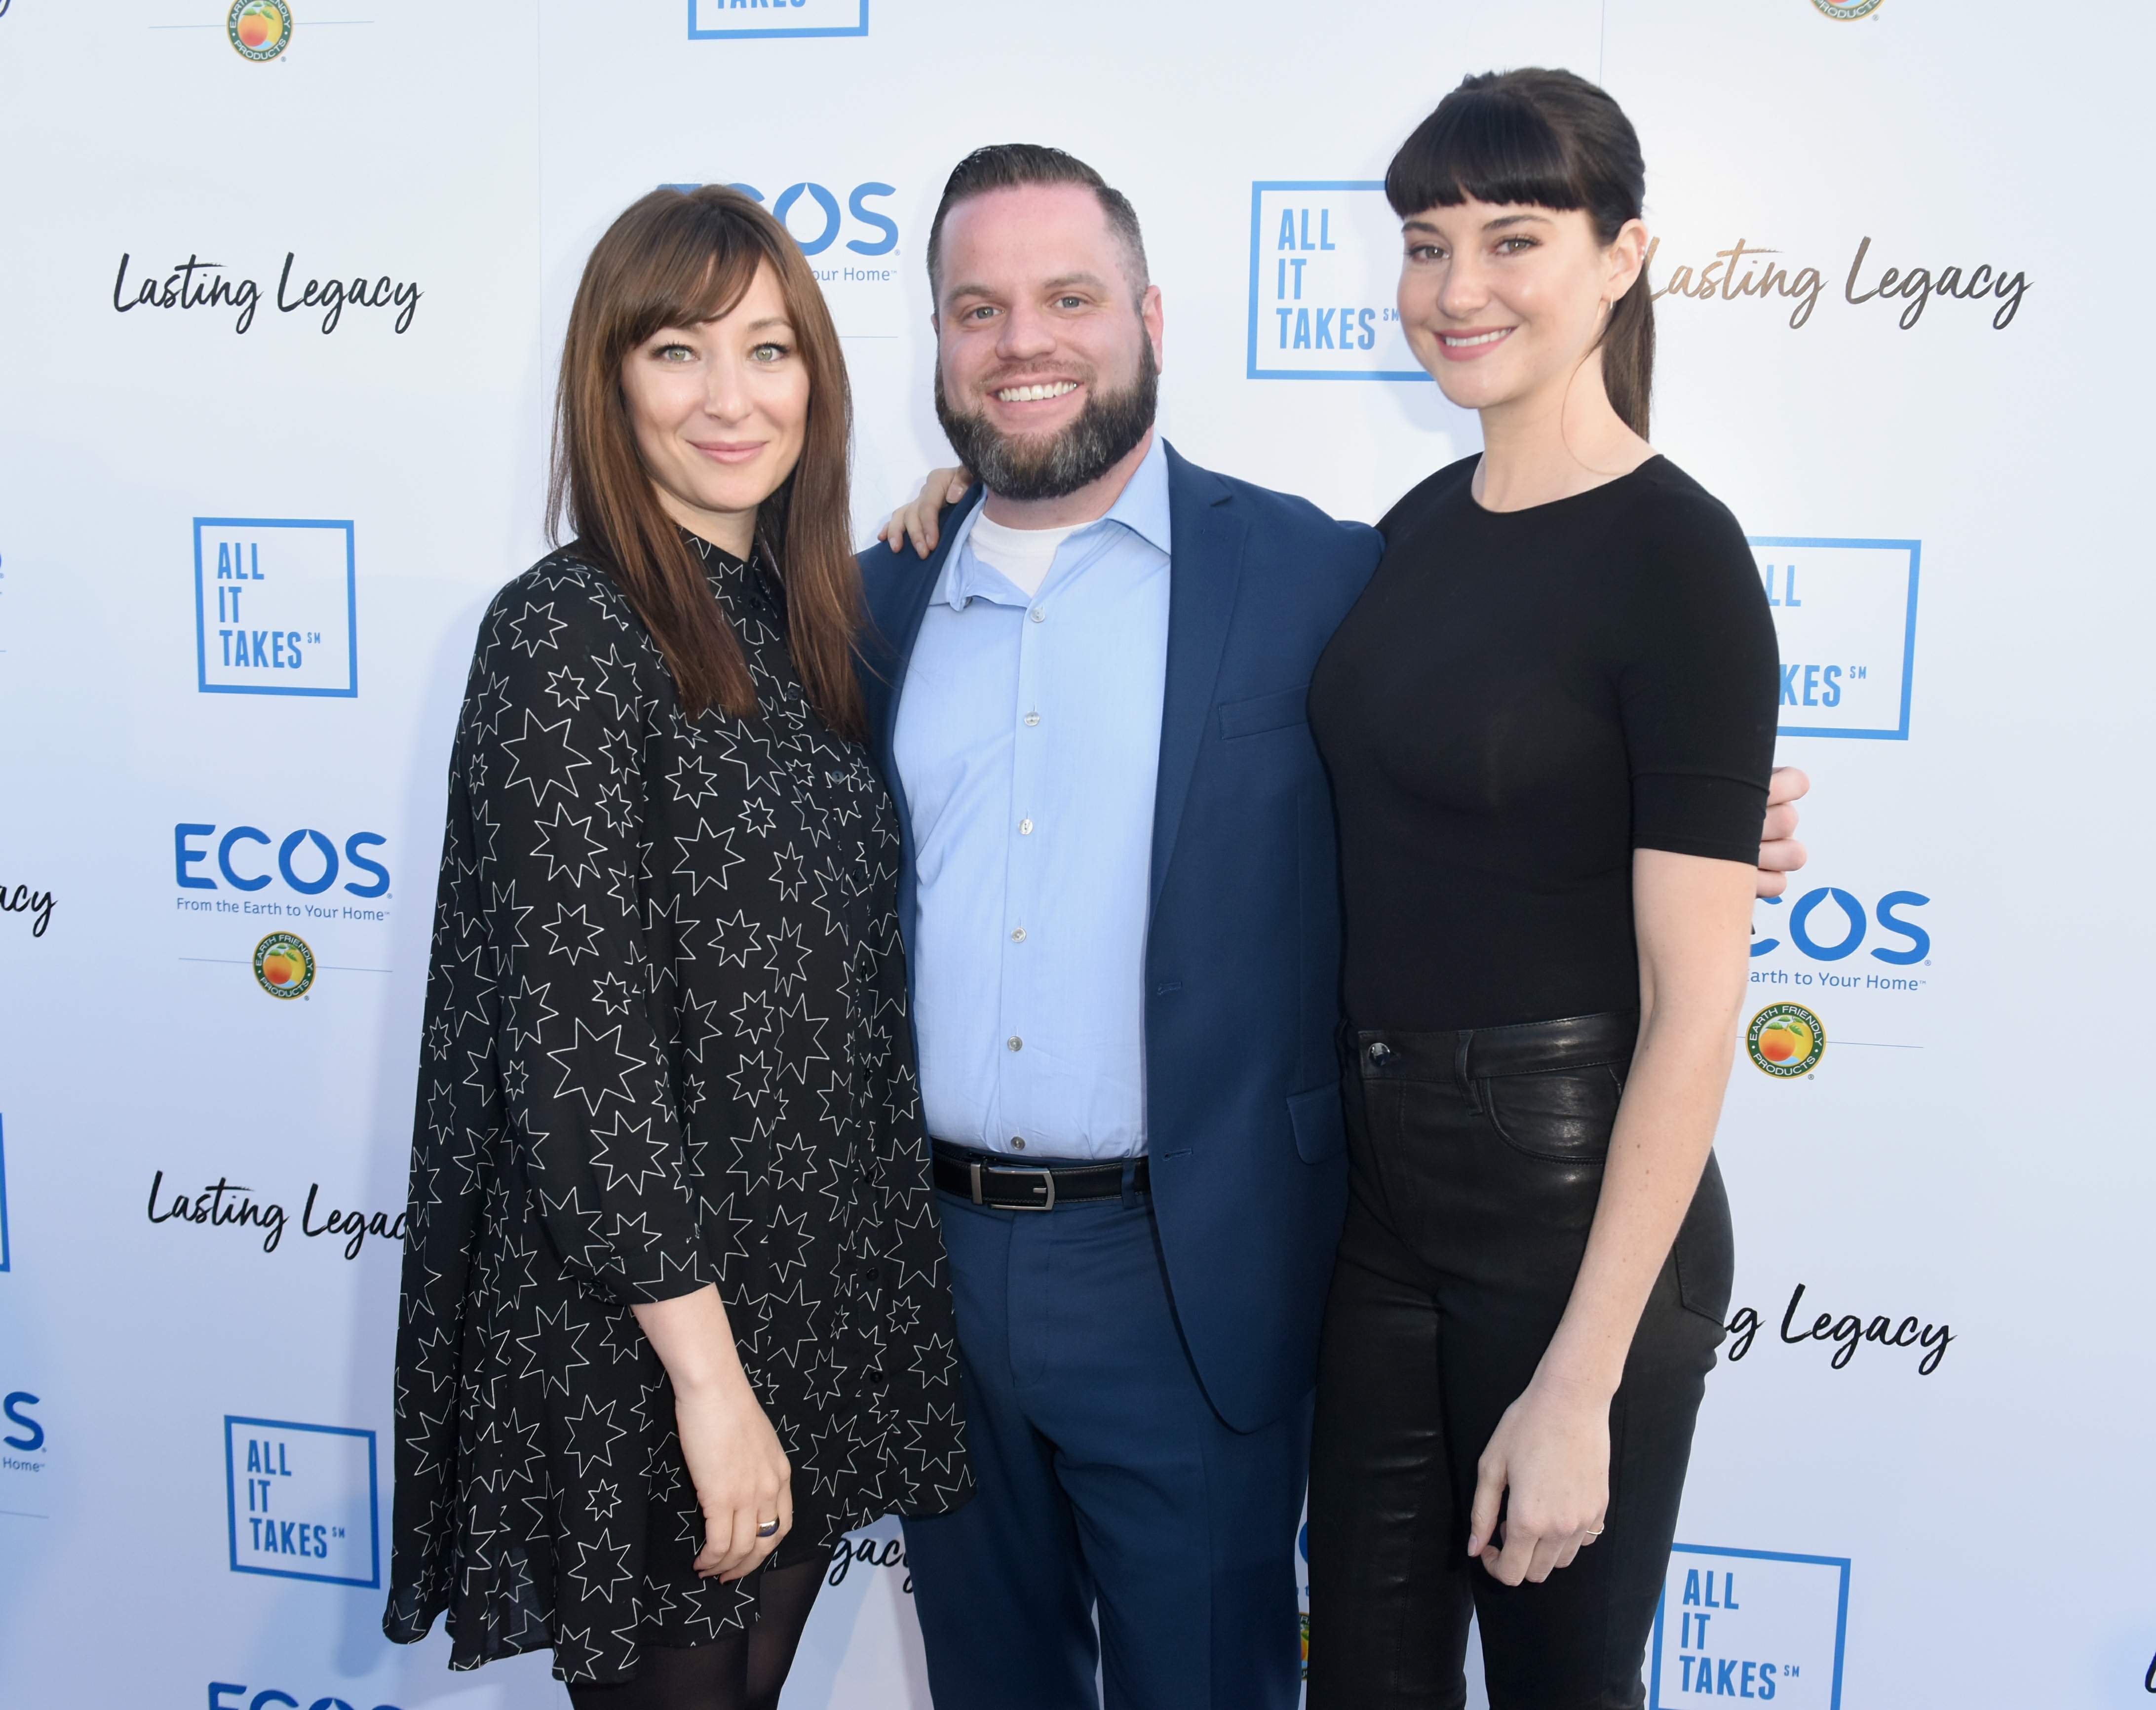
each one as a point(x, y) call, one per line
point(767, 1528)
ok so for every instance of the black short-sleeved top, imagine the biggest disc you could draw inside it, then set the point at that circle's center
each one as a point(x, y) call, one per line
point(666, 1045)
point(1519, 701)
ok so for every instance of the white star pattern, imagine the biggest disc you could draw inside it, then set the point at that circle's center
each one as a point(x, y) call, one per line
point(604, 1118)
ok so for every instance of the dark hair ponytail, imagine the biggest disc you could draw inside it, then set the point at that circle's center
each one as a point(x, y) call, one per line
point(1554, 139)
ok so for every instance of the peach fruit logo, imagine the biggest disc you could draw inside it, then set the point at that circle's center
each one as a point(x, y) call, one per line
point(260, 29)
point(1786, 1041)
point(283, 966)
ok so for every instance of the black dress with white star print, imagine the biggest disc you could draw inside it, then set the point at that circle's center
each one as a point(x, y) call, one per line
point(666, 1044)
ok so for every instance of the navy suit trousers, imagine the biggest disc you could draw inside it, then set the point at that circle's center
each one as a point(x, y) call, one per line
point(1107, 1488)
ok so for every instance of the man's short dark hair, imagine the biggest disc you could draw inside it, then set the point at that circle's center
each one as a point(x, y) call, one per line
point(1008, 165)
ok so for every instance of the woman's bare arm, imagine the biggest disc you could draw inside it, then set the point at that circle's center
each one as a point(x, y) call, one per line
point(1551, 1448)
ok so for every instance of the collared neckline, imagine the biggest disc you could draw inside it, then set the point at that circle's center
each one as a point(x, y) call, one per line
point(1141, 507)
point(754, 579)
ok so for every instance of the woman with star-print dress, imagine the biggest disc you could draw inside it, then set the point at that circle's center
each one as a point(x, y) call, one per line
point(674, 1313)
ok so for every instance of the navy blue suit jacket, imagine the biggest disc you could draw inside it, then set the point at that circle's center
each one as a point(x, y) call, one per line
point(1242, 965)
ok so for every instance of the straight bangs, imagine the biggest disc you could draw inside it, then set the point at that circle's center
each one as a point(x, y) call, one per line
point(1484, 145)
point(701, 263)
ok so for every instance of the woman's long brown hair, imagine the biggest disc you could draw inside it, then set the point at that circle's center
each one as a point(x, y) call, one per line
point(679, 259)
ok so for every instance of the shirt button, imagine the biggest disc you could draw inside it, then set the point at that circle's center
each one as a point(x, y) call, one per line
point(1032, 718)
point(1019, 936)
point(1025, 827)
point(1018, 1143)
point(1037, 615)
point(1015, 1044)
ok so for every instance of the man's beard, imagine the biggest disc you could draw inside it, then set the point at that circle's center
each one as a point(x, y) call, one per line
point(1030, 466)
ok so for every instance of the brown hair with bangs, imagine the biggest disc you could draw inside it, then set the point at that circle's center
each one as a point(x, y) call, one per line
point(680, 258)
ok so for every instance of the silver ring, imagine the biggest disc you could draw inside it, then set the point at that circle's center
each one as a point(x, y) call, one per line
point(767, 1528)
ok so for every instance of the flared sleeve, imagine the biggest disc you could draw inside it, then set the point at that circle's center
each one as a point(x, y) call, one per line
point(555, 778)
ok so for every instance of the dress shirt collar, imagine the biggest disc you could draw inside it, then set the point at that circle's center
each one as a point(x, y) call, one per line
point(1142, 508)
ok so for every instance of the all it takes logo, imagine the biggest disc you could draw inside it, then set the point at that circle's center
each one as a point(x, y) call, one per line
point(276, 607)
point(1750, 1624)
point(718, 20)
point(302, 1500)
point(259, 29)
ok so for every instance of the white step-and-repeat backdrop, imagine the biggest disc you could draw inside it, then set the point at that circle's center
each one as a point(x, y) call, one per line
point(280, 291)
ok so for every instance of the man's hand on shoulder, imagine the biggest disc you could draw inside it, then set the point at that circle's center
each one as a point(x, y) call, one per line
point(1780, 854)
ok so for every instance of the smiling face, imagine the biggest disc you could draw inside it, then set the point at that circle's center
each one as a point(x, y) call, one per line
point(720, 411)
point(1503, 302)
point(1047, 349)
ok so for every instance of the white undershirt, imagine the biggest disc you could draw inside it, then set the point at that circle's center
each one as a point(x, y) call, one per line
point(1022, 555)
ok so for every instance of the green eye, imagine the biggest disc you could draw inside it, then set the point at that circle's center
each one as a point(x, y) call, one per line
point(771, 353)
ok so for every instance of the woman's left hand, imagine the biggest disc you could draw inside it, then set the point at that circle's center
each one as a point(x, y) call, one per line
point(1551, 1451)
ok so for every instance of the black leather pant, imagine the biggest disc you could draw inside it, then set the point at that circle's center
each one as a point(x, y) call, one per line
point(1475, 1162)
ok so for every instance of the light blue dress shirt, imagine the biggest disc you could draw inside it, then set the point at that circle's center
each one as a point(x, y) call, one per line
point(1028, 741)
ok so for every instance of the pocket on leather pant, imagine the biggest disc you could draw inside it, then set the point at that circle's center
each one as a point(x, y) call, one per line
point(1705, 1251)
point(1564, 1116)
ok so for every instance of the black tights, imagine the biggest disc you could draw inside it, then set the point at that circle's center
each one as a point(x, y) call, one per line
point(743, 1670)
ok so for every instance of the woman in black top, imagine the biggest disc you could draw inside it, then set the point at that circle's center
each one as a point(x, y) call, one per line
point(1549, 723)
point(675, 1314)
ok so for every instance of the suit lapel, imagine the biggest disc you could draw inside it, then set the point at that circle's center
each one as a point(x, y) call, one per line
point(1205, 552)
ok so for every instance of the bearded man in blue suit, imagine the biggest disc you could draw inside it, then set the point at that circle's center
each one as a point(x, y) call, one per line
point(1120, 905)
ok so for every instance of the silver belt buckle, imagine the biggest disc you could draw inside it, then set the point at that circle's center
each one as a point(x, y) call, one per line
point(974, 1167)
point(1048, 1182)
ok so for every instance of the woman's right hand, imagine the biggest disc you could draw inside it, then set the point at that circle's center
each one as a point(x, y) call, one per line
point(741, 1474)
point(916, 519)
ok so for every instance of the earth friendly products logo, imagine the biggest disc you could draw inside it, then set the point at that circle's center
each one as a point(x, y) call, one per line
point(1846, 10)
point(1785, 1040)
point(283, 966)
point(259, 29)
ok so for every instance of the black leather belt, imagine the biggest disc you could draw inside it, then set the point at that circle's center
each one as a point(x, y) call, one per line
point(991, 1179)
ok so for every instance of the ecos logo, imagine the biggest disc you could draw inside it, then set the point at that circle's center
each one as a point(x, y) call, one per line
point(813, 217)
point(1809, 944)
point(225, 1695)
point(716, 20)
point(276, 607)
point(1324, 262)
point(1750, 1624)
point(1830, 924)
point(24, 1458)
point(306, 861)
point(23, 1433)
point(1845, 616)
